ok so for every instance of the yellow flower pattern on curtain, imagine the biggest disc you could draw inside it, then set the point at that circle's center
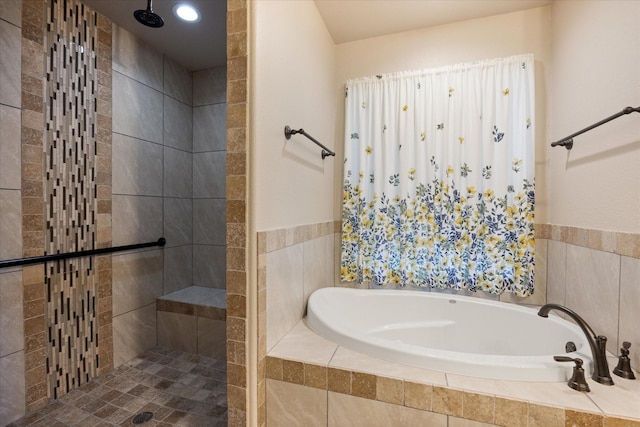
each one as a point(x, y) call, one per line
point(439, 178)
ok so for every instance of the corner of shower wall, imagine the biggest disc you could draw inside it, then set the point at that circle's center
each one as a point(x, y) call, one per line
point(192, 329)
point(169, 146)
point(209, 177)
point(152, 187)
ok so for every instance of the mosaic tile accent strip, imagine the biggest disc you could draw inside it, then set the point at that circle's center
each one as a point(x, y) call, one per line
point(70, 194)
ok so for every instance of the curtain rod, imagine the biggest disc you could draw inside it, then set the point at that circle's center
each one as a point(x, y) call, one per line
point(56, 257)
point(325, 151)
point(567, 142)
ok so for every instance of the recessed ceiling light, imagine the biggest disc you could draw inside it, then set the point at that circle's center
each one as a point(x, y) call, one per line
point(186, 12)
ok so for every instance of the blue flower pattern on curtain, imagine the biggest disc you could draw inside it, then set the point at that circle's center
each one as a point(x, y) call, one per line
point(439, 178)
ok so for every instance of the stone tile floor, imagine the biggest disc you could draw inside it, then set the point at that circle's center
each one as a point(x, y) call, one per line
point(180, 389)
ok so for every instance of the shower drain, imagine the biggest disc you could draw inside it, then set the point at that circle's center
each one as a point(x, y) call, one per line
point(142, 417)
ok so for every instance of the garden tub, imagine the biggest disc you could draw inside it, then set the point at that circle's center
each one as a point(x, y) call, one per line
point(448, 333)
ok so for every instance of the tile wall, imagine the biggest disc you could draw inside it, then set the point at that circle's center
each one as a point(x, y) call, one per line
point(193, 320)
point(597, 274)
point(209, 177)
point(152, 181)
point(70, 195)
point(12, 361)
point(292, 263)
point(12, 383)
point(24, 304)
point(295, 262)
point(238, 268)
point(169, 147)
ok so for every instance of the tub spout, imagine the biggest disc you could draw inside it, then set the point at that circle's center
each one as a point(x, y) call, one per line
point(598, 343)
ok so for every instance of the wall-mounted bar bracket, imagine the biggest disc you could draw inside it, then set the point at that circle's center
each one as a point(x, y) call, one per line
point(325, 151)
point(567, 142)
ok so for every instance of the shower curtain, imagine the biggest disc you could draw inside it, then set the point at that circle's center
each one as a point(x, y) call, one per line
point(439, 178)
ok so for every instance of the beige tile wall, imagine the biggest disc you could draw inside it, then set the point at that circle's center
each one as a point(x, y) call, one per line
point(209, 177)
point(193, 328)
point(134, 332)
point(104, 172)
point(12, 355)
point(137, 186)
point(32, 69)
point(365, 399)
point(600, 282)
point(295, 262)
point(237, 161)
point(158, 185)
point(292, 263)
point(295, 405)
point(32, 200)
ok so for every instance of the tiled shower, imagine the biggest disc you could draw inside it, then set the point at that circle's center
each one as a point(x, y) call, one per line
point(159, 171)
point(168, 180)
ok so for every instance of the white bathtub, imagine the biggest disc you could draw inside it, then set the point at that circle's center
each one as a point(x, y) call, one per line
point(443, 332)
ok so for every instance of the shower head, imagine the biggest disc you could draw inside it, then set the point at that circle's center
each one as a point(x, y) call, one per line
point(148, 17)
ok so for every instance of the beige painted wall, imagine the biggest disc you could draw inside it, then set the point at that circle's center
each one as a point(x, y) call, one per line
point(587, 61)
point(595, 72)
point(292, 84)
point(493, 37)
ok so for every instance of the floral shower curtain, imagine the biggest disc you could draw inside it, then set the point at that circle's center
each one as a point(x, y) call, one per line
point(439, 178)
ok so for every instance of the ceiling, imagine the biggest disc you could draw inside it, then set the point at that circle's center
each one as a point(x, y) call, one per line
point(196, 46)
point(349, 20)
point(203, 45)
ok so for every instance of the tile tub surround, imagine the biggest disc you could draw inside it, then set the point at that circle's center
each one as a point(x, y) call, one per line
point(194, 320)
point(343, 377)
point(551, 275)
point(292, 263)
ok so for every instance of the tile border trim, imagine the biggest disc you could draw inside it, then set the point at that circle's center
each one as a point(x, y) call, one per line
point(190, 309)
point(480, 407)
point(626, 244)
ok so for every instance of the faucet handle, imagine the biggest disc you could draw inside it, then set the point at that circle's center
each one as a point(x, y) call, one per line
point(624, 363)
point(577, 381)
point(566, 359)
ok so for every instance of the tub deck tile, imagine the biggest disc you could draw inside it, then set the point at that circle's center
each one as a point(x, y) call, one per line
point(549, 393)
point(351, 360)
point(302, 344)
point(531, 403)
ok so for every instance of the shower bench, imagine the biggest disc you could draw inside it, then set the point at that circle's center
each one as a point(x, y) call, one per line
point(193, 320)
